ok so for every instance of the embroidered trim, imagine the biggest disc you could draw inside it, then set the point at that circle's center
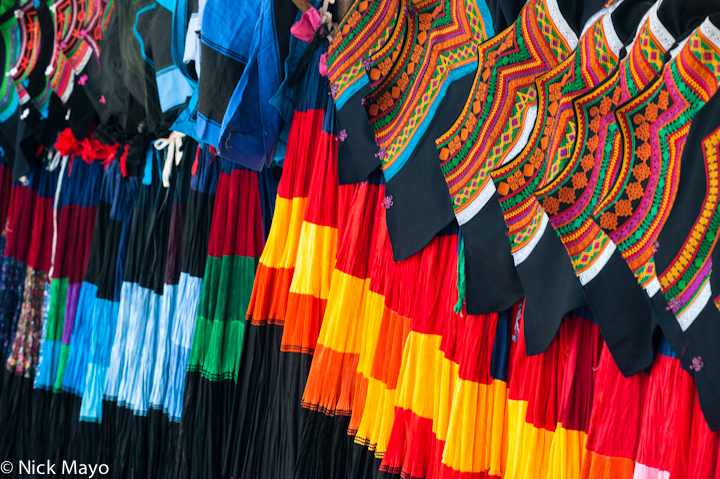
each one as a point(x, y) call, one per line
point(589, 274)
point(640, 26)
point(562, 25)
point(68, 91)
point(653, 287)
point(691, 312)
point(693, 264)
point(524, 134)
point(522, 254)
point(611, 36)
point(658, 29)
point(712, 33)
point(477, 204)
point(83, 61)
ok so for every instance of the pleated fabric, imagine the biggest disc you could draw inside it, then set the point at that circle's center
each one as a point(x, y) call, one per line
point(76, 203)
point(614, 425)
point(383, 330)
point(134, 348)
point(75, 213)
point(417, 425)
point(29, 245)
point(674, 440)
point(470, 429)
point(649, 425)
point(156, 380)
point(331, 391)
point(387, 311)
point(549, 400)
point(71, 436)
point(311, 288)
point(162, 435)
point(12, 278)
point(290, 292)
point(243, 205)
point(118, 197)
point(201, 200)
point(30, 241)
point(142, 284)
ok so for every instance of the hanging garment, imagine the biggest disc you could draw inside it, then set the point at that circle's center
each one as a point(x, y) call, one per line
point(536, 248)
point(683, 260)
point(639, 201)
point(365, 48)
point(673, 439)
point(303, 290)
point(429, 281)
point(134, 63)
point(12, 279)
point(242, 204)
point(43, 112)
point(330, 393)
point(243, 51)
point(251, 125)
point(75, 211)
point(438, 50)
point(492, 127)
point(117, 201)
point(583, 239)
point(142, 314)
point(162, 435)
point(200, 206)
point(76, 62)
point(290, 90)
point(549, 400)
point(290, 293)
point(385, 315)
point(31, 244)
point(106, 88)
point(28, 241)
point(78, 439)
point(74, 216)
point(198, 223)
point(614, 425)
point(473, 396)
point(151, 28)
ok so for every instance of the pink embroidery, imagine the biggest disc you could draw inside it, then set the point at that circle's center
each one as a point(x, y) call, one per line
point(674, 305)
point(697, 364)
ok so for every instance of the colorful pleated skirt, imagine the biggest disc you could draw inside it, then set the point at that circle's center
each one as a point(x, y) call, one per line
point(244, 202)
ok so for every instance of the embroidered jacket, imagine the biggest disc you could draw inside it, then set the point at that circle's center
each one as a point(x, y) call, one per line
point(504, 89)
point(432, 67)
point(654, 127)
point(493, 126)
point(688, 310)
point(595, 156)
point(363, 52)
